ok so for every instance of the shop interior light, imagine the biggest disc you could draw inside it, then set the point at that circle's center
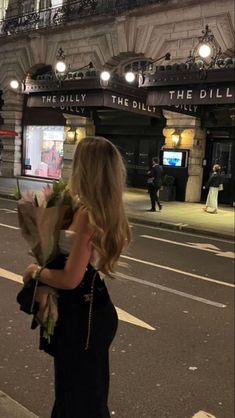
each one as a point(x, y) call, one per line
point(14, 84)
point(204, 51)
point(175, 137)
point(130, 76)
point(105, 76)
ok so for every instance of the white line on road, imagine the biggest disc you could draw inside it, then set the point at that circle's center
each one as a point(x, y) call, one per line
point(9, 226)
point(122, 315)
point(8, 210)
point(191, 234)
point(185, 273)
point(169, 290)
point(195, 246)
point(203, 414)
point(126, 317)
point(11, 276)
point(11, 408)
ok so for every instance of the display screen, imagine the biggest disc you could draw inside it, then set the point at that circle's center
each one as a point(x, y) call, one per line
point(173, 158)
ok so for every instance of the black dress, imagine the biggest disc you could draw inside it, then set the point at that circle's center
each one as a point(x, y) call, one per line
point(81, 348)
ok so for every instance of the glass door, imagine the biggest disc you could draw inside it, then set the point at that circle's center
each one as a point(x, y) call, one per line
point(221, 151)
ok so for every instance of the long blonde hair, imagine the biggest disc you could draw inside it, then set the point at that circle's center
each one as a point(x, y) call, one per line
point(98, 180)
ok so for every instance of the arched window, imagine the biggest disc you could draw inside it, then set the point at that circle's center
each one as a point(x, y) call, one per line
point(138, 66)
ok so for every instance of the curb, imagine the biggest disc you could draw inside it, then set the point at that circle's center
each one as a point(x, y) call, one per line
point(181, 228)
point(9, 408)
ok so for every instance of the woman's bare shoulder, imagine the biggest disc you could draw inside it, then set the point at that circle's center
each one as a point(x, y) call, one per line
point(81, 221)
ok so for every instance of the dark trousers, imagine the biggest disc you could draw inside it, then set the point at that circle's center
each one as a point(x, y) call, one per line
point(153, 191)
point(82, 376)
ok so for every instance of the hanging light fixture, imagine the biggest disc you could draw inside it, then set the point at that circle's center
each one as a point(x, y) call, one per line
point(14, 84)
point(130, 76)
point(105, 75)
point(61, 69)
point(207, 49)
point(138, 69)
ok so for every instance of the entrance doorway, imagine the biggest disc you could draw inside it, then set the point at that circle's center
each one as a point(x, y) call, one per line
point(221, 151)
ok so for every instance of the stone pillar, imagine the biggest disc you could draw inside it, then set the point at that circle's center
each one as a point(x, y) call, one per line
point(11, 113)
point(77, 127)
point(193, 138)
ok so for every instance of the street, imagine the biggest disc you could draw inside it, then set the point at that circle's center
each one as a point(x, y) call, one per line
point(174, 350)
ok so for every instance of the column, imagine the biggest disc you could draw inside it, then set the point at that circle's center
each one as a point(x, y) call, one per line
point(11, 113)
point(193, 138)
point(77, 127)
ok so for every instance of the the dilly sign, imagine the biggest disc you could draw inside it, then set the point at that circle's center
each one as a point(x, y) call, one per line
point(207, 95)
point(81, 100)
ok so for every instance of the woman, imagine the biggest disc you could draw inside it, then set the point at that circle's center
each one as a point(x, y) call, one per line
point(87, 318)
point(214, 184)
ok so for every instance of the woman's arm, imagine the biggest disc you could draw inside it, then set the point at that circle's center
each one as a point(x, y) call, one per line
point(210, 181)
point(72, 275)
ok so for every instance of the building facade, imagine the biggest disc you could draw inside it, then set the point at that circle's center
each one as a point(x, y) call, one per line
point(113, 35)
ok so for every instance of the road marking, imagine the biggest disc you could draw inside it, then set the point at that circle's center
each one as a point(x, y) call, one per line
point(9, 210)
point(11, 276)
point(122, 315)
point(191, 234)
point(203, 414)
point(126, 317)
point(174, 291)
point(185, 273)
point(11, 408)
point(196, 246)
point(9, 226)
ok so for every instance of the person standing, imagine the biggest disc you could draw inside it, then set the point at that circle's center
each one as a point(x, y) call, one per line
point(93, 243)
point(154, 184)
point(214, 184)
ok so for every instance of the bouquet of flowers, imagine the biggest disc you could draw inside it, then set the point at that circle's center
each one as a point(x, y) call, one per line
point(41, 217)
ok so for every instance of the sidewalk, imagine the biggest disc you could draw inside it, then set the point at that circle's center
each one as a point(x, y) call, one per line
point(180, 216)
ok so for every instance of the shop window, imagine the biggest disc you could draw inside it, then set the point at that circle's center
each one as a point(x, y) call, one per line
point(44, 151)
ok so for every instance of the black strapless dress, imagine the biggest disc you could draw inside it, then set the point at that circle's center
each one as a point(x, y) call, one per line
point(81, 348)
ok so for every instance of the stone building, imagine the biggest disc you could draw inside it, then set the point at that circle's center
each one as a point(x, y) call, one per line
point(113, 35)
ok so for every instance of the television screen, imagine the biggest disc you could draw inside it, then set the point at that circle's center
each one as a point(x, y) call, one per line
point(173, 158)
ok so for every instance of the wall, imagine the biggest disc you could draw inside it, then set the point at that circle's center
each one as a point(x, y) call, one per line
point(110, 41)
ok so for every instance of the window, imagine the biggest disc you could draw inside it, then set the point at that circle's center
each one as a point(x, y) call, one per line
point(3, 8)
point(44, 151)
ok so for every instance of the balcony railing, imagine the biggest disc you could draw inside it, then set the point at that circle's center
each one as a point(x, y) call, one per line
point(55, 16)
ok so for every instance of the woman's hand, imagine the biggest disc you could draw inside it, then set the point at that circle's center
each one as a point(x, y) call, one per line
point(29, 272)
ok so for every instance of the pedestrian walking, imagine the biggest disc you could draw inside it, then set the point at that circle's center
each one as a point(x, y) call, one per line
point(154, 183)
point(92, 245)
point(214, 184)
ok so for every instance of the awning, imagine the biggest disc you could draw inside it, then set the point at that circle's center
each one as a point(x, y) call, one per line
point(191, 95)
point(84, 99)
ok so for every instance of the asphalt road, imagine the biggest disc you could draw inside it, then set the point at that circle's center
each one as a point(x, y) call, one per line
point(175, 360)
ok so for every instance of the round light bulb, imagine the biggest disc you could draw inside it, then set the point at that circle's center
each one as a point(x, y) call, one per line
point(14, 84)
point(204, 51)
point(60, 66)
point(130, 77)
point(105, 76)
